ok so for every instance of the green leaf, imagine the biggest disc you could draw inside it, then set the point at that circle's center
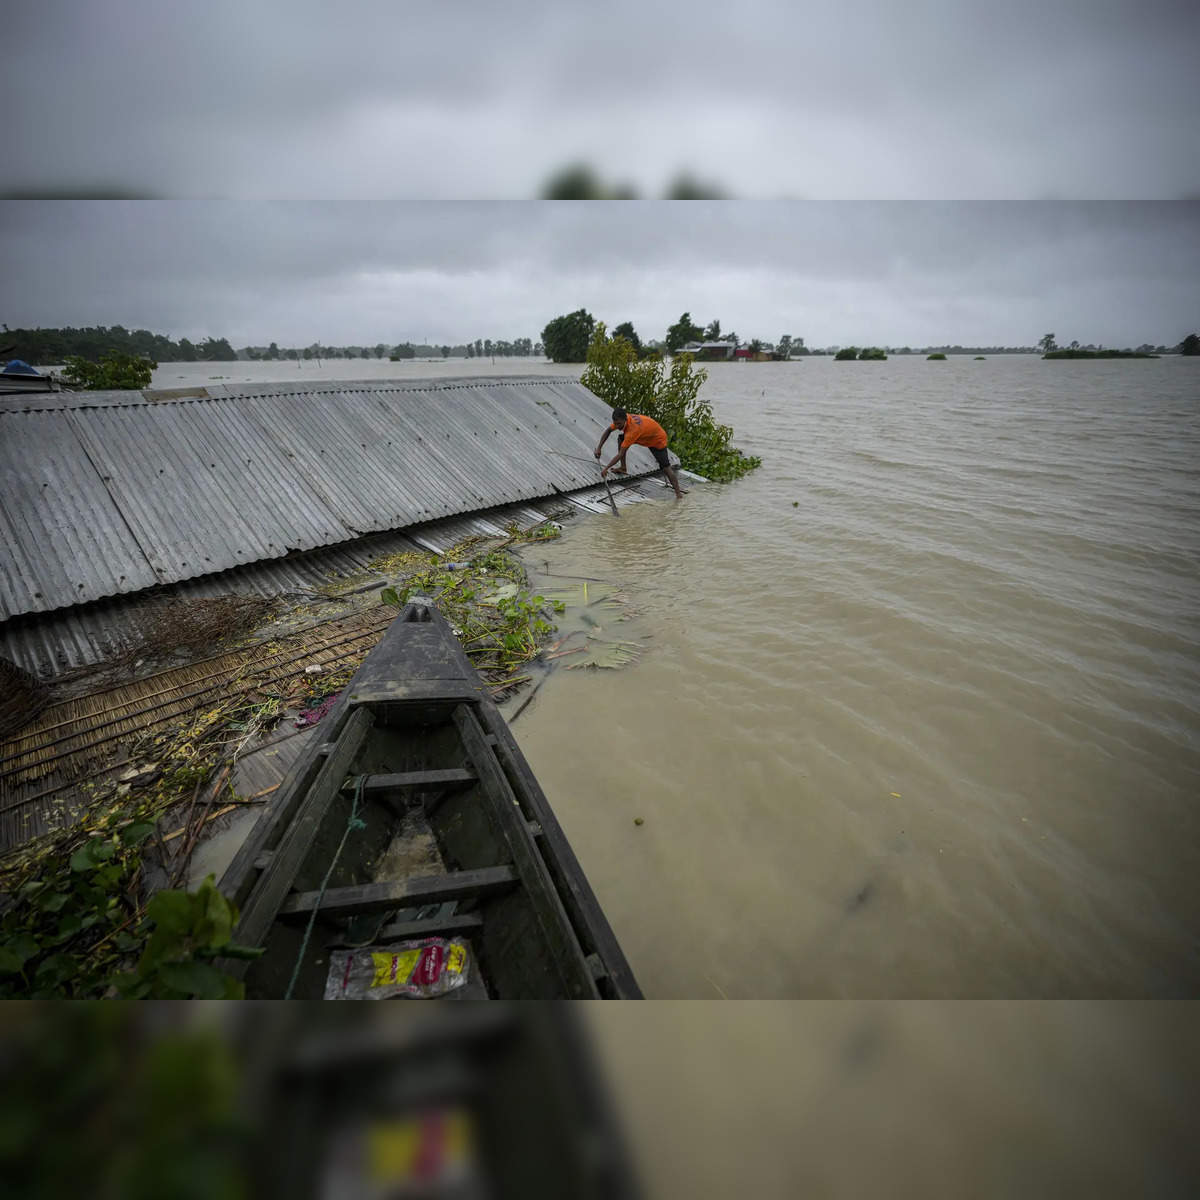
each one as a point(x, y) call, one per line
point(92, 855)
point(55, 970)
point(54, 903)
point(131, 985)
point(68, 927)
point(172, 912)
point(16, 952)
point(135, 835)
point(82, 859)
point(108, 877)
point(388, 596)
point(216, 923)
point(194, 979)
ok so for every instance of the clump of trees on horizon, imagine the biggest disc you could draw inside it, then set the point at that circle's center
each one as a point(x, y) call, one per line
point(49, 347)
point(91, 343)
point(565, 339)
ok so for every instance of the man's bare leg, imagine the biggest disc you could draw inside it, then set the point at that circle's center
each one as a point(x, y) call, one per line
point(670, 474)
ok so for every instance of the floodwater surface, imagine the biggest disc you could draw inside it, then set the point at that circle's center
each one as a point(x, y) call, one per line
point(920, 710)
point(921, 716)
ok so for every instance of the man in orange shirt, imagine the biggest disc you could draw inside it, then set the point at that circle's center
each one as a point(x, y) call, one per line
point(639, 431)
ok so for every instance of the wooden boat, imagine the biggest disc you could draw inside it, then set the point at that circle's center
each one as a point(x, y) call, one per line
point(488, 1100)
point(415, 818)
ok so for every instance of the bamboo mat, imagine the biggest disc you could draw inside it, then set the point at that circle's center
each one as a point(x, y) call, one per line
point(87, 738)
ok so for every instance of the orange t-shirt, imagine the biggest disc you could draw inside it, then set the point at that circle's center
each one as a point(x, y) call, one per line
point(642, 431)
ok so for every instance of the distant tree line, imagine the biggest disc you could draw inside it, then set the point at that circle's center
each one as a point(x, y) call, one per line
point(1049, 345)
point(51, 346)
point(482, 348)
point(565, 339)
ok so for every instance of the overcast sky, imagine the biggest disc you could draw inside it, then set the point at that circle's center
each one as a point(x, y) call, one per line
point(929, 99)
point(363, 172)
point(354, 272)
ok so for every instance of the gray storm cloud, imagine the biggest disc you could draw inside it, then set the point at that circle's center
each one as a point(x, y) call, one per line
point(347, 272)
point(934, 99)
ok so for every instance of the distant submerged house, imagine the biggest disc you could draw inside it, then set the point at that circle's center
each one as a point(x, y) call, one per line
point(710, 351)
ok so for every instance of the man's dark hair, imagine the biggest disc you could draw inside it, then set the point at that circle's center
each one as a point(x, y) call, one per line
point(619, 414)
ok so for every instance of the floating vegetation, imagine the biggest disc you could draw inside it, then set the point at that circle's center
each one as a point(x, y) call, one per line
point(544, 531)
point(594, 601)
point(607, 655)
point(595, 605)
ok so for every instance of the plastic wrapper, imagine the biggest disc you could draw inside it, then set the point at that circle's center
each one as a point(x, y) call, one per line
point(418, 1156)
point(418, 970)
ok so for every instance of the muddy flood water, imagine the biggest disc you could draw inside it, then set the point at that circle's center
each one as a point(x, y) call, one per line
point(920, 713)
point(919, 709)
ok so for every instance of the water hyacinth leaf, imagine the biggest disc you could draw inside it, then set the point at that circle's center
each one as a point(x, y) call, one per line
point(88, 857)
point(56, 969)
point(506, 591)
point(606, 655)
point(216, 916)
point(72, 924)
point(136, 834)
point(16, 952)
point(389, 596)
point(171, 911)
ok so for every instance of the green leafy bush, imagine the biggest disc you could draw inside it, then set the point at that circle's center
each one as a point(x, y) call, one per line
point(67, 933)
point(114, 370)
point(615, 374)
point(936, 358)
point(846, 354)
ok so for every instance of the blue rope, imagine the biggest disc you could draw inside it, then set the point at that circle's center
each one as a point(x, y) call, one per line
point(352, 824)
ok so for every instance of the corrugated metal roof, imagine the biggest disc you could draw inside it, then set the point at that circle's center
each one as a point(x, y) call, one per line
point(106, 493)
point(62, 536)
point(51, 644)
